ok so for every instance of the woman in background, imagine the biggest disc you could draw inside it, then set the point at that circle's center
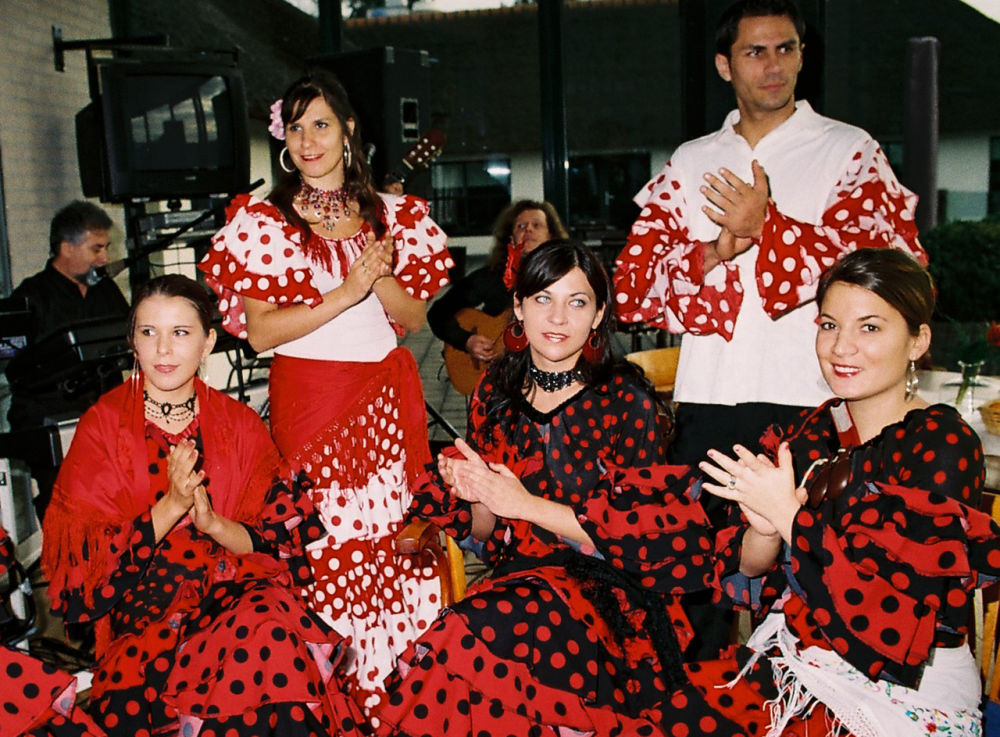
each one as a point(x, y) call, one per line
point(520, 229)
point(328, 273)
point(171, 528)
point(573, 632)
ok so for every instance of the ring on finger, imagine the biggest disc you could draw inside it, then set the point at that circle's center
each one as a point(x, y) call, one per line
point(732, 483)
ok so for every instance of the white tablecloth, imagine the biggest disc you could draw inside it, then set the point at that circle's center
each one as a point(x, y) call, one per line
point(934, 388)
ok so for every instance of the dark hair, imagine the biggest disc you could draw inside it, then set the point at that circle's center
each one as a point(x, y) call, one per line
point(728, 27)
point(174, 285)
point(357, 176)
point(73, 221)
point(503, 228)
point(391, 177)
point(541, 268)
point(891, 274)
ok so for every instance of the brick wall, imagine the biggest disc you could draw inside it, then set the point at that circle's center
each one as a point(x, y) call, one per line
point(37, 134)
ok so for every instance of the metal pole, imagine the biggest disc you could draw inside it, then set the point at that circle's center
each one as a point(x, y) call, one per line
point(555, 157)
point(920, 127)
point(331, 39)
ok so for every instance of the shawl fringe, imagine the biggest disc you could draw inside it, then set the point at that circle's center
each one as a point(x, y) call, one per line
point(82, 548)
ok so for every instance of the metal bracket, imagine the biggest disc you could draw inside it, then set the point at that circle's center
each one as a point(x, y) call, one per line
point(60, 47)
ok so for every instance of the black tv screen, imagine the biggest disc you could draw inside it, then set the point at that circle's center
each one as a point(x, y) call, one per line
point(165, 130)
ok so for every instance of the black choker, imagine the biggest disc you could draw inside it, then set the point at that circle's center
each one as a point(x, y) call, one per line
point(168, 410)
point(551, 381)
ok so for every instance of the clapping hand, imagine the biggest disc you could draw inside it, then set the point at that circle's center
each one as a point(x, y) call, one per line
point(765, 492)
point(374, 263)
point(202, 514)
point(739, 207)
point(491, 484)
point(182, 476)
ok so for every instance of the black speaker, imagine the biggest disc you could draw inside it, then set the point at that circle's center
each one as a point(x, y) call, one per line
point(389, 89)
point(90, 152)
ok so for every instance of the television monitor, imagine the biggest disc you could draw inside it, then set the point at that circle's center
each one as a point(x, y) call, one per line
point(164, 129)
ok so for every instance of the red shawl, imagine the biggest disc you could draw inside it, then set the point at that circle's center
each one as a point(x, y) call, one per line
point(103, 484)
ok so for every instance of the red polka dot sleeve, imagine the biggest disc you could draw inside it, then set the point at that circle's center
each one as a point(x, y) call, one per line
point(867, 209)
point(887, 570)
point(422, 258)
point(644, 521)
point(287, 524)
point(659, 275)
point(257, 254)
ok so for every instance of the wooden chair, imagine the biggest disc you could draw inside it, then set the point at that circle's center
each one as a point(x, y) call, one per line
point(660, 367)
point(423, 539)
point(986, 605)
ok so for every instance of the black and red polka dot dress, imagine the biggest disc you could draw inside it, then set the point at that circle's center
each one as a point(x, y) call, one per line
point(552, 643)
point(882, 575)
point(194, 639)
point(36, 699)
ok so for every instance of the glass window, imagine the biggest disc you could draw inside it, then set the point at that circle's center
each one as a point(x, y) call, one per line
point(893, 151)
point(468, 195)
point(601, 188)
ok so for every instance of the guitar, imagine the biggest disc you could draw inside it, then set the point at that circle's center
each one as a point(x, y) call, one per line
point(424, 151)
point(464, 371)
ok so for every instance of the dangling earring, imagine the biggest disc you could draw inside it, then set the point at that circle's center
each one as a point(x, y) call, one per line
point(514, 338)
point(347, 155)
point(281, 161)
point(593, 349)
point(912, 380)
point(203, 370)
point(133, 379)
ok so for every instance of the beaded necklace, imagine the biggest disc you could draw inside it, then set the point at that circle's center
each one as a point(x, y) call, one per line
point(552, 381)
point(326, 206)
point(168, 410)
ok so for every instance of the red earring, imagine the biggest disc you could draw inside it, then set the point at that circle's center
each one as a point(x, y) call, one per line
point(514, 339)
point(593, 349)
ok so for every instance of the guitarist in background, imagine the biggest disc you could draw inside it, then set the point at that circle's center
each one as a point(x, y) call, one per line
point(392, 183)
point(471, 315)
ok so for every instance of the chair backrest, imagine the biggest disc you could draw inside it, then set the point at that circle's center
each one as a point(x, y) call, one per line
point(659, 365)
point(987, 605)
point(423, 540)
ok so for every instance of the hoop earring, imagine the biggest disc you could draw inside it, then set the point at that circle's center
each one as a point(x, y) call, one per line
point(281, 161)
point(593, 349)
point(514, 339)
point(347, 155)
point(912, 380)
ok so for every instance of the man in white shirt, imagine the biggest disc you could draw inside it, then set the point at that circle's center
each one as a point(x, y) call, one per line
point(738, 226)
